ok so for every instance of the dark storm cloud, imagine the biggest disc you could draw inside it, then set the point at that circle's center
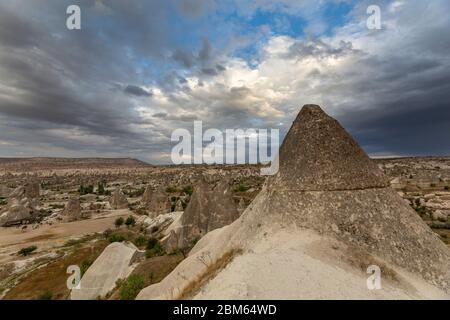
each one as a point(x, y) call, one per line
point(137, 91)
point(186, 59)
point(194, 8)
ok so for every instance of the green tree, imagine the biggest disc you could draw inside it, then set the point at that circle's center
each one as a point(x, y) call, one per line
point(130, 288)
point(119, 221)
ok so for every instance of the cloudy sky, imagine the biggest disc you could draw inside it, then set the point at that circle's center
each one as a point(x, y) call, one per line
point(137, 70)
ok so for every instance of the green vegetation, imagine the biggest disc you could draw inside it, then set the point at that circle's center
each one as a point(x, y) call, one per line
point(154, 248)
point(171, 190)
point(188, 190)
point(3, 202)
point(86, 190)
point(432, 185)
point(446, 188)
point(130, 288)
point(119, 221)
point(241, 188)
point(116, 238)
point(27, 250)
point(130, 221)
point(101, 189)
point(85, 265)
point(46, 295)
point(140, 241)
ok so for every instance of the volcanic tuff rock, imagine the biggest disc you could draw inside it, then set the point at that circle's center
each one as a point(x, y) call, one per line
point(156, 201)
point(72, 210)
point(17, 211)
point(118, 200)
point(209, 208)
point(116, 262)
point(313, 230)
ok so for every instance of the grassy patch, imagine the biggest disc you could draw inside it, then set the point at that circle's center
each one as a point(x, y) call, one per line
point(53, 276)
point(241, 188)
point(154, 248)
point(212, 269)
point(27, 251)
point(129, 289)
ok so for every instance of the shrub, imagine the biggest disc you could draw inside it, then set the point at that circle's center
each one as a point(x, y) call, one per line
point(432, 185)
point(3, 202)
point(140, 241)
point(241, 188)
point(130, 221)
point(86, 190)
point(188, 190)
point(130, 288)
point(47, 295)
point(446, 188)
point(154, 248)
point(171, 190)
point(119, 222)
point(27, 250)
point(85, 265)
point(116, 238)
point(101, 188)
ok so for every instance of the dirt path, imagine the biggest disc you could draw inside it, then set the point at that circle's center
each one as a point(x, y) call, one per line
point(48, 236)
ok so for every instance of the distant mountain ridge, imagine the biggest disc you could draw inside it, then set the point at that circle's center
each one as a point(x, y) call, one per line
point(39, 163)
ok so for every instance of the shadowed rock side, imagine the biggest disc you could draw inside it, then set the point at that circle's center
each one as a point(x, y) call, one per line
point(156, 202)
point(118, 200)
point(209, 208)
point(314, 229)
point(72, 210)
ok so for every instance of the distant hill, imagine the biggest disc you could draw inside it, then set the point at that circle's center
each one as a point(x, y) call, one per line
point(42, 163)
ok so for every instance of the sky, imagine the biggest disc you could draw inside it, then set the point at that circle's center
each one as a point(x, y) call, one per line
point(138, 70)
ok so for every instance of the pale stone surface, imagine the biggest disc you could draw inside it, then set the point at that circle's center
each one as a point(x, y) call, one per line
point(72, 210)
point(116, 262)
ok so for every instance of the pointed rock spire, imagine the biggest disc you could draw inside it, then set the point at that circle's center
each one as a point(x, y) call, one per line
point(318, 154)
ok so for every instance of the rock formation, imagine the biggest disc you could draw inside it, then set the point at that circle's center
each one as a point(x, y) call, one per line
point(72, 210)
point(209, 208)
point(314, 229)
point(32, 189)
point(4, 191)
point(156, 202)
point(116, 262)
point(17, 212)
point(118, 200)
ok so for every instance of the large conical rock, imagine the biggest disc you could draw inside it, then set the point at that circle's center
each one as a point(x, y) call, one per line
point(210, 208)
point(72, 210)
point(156, 202)
point(318, 154)
point(33, 190)
point(313, 231)
point(118, 200)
